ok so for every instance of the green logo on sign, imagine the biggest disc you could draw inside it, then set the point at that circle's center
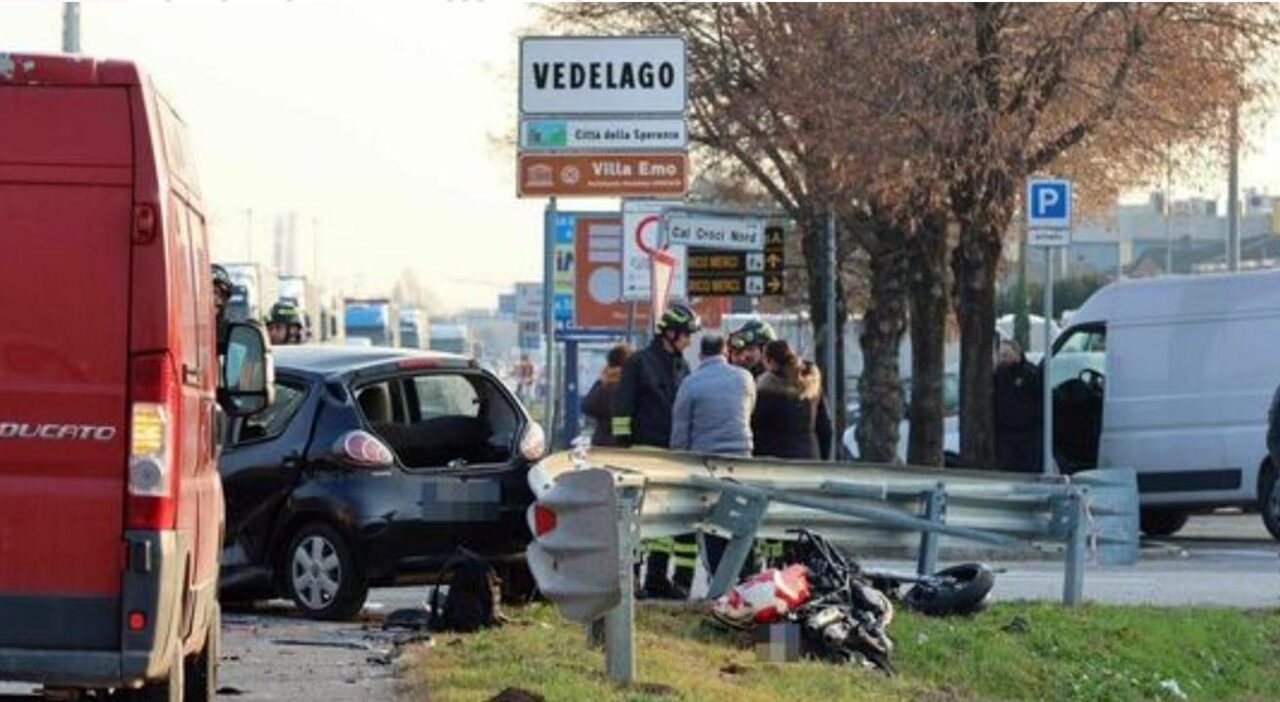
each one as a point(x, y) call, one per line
point(548, 134)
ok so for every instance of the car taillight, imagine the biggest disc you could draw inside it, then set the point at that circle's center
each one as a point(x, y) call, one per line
point(153, 452)
point(544, 520)
point(533, 444)
point(365, 449)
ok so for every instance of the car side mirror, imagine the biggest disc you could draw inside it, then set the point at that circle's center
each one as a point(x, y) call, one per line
point(248, 375)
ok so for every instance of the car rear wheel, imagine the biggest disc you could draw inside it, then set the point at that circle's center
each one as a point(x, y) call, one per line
point(321, 575)
point(1162, 522)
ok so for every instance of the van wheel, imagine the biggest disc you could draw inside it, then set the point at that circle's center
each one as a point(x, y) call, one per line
point(1162, 522)
point(1269, 502)
point(201, 672)
point(320, 574)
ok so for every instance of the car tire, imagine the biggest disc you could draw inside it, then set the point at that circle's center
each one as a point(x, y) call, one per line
point(201, 670)
point(1162, 522)
point(1269, 500)
point(966, 592)
point(320, 573)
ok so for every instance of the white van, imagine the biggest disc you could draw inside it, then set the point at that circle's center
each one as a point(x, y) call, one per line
point(1173, 376)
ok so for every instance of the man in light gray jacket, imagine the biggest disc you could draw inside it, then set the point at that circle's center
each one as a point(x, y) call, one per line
point(712, 412)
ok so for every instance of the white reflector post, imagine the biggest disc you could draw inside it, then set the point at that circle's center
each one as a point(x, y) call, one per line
point(576, 562)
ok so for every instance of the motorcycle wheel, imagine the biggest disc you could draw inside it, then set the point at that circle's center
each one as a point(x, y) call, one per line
point(962, 589)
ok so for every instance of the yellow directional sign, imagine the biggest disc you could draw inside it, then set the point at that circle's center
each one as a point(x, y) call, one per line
point(716, 272)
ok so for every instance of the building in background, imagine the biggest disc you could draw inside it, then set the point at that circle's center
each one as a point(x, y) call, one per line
point(1137, 239)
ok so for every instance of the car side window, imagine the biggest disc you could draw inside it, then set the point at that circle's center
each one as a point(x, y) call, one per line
point(445, 396)
point(272, 421)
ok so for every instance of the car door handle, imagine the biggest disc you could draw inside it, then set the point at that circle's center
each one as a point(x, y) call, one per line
point(190, 375)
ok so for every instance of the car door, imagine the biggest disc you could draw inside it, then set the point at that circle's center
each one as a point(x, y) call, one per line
point(468, 499)
point(261, 466)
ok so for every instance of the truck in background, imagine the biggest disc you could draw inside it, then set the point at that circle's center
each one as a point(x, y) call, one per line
point(254, 291)
point(451, 338)
point(371, 319)
point(413, 327)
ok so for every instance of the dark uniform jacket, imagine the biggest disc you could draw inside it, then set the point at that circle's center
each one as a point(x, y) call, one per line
point(1018, 417)
point(599, 406)
point(643, 400)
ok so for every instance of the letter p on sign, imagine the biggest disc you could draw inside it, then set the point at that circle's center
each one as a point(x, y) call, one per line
point(1048, 204)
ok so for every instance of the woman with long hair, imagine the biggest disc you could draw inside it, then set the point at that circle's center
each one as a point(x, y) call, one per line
point(791, 418)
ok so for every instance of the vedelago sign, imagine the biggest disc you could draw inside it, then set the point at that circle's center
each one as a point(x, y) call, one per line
point(633, 75)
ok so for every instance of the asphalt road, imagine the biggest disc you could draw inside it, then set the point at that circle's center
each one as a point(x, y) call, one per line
point(269, 653)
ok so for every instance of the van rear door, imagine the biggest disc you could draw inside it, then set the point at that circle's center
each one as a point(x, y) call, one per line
point(66, 160)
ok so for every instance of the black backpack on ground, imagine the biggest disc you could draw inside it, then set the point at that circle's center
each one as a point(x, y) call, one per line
point(474, 601)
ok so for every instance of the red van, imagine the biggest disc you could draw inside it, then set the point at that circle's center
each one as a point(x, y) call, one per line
point(111, 508)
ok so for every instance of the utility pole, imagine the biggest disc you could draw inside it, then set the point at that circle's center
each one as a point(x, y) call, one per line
point(1167, 207)
point(833, 333)
point(70, 27)
point(1233, 194)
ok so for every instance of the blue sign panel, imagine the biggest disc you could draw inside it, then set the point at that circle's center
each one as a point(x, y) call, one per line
point(1048, 204)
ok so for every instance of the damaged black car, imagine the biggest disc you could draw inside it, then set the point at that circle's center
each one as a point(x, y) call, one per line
point(374, 466)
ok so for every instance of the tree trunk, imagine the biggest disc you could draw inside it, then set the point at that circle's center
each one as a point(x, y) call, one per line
point(880, 387)
point(928, 280)
point(974, 265)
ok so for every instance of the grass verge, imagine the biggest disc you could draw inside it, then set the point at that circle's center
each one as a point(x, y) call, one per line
point(1015, 651)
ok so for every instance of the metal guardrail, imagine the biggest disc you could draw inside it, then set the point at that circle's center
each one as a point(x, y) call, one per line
point(660, 493)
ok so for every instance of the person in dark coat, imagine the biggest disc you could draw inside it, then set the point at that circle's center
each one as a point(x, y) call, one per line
point(791, 418)
point(599, 402)
point(1019, 410)
point(642, 410)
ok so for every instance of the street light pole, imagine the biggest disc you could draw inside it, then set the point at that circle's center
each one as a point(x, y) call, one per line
point(1233, 194)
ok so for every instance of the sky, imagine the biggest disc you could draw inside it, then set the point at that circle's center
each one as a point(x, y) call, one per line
point(379, 122)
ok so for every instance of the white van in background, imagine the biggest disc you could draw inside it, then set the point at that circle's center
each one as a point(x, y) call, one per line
point(1173, 376)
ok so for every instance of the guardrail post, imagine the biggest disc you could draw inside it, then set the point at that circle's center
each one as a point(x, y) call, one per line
point(619, 622)
point(740, 514)
point(1073, 570)
point(935, 510)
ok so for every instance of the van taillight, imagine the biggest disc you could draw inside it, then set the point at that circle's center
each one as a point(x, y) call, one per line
point(153, 451)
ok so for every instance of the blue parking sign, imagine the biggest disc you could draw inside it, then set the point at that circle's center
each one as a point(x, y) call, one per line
point(1048, 203)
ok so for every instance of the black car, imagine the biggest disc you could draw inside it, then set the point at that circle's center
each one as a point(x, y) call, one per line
point(373, 466)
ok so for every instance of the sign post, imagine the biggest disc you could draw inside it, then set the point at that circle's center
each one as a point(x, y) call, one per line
point(1048, 227)
point(549, 317)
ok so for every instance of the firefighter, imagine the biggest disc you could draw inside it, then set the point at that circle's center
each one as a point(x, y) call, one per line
point(285, 324)
point(642, 406)
point(746, 346)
